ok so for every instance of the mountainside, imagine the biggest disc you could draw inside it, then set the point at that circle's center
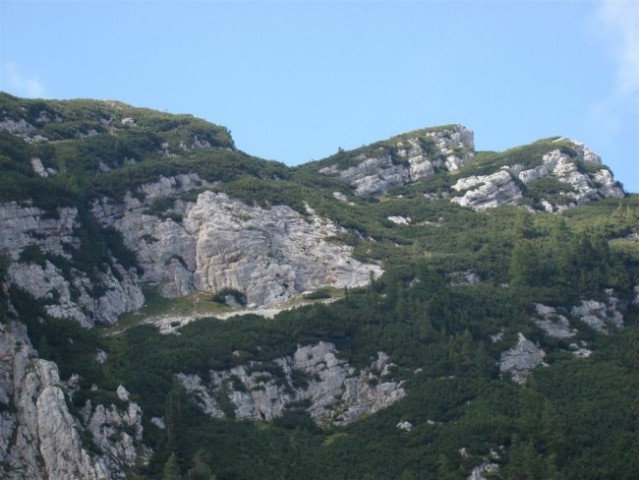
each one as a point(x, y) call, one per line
point(172, 307)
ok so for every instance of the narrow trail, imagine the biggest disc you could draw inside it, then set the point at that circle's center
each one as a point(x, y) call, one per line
point(171, 323)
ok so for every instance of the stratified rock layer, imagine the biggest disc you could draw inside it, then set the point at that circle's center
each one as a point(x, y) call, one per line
point(487, 191)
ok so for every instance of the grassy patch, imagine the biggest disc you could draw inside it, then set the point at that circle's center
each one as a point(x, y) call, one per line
point(196, 304)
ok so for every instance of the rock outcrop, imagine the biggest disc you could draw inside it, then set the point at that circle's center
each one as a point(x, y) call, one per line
point(117, 432)
point(373, 174)
point(487, 191)
point(39, 437)
point(417, 158)
point(68, 292)
point(600, 315)
point(219, 242)
point(400, 220)
point(552, 323)
point(520, 359)
point(582, 187)
point(447, 150)
point(488, 468)
point(405, 426)
point(484, 471)
point(328, 388)
point(465, 277)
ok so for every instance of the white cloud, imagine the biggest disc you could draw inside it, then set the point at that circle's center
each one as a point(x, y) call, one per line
point(619, 25)
point(19, 83)
point(616, 26)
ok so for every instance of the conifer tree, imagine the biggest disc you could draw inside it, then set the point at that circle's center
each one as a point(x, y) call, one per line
point(171, 469)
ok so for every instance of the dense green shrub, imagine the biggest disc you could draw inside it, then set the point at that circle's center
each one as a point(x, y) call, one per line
point(32, 253)
point(318, 294)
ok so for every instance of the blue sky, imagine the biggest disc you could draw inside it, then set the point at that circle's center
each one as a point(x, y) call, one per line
point(295, 81)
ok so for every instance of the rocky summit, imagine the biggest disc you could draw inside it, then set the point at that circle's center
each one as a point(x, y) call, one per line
point(173, 307)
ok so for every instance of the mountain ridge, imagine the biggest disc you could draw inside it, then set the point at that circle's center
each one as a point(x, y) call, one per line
point(442, 295)
point(179, 134)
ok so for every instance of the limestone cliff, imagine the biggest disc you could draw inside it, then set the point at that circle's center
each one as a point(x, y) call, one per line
point(213, 243)
point(39, 436)
point(219, 242)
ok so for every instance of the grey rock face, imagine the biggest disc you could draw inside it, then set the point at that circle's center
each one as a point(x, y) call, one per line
point(553, 324)
point(490, 191)
point(581, 352)
point(41, 439)
point(420, 166)
point(400, 220)
point(117, 432)
point(71, 295)
point(158, 422)
point(122, 294)
point(600, 315)
point(487, 191)
point(20, 126)
point(584, 187)
point(453, 146)
point(405, 425)
point(269, 254)
point(342, 198)
point(38, 168)
point(27, 225)
point(483, 469)
point(7, 427)
point(101, 356)
point(520, 359)
point(377, 173)
point(583, 152)
point(335, 392)
point(606, 184)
